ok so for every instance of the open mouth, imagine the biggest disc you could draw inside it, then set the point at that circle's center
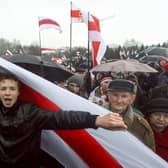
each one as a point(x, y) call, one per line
point(7, 101)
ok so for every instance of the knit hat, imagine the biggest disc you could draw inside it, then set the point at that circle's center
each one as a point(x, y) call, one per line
point(157, 105)
point(122, 85)
point(75, 79)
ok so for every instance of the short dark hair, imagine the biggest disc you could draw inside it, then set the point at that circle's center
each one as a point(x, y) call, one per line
point(9, 76)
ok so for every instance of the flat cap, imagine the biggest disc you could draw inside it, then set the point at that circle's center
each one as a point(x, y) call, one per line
point(122, 85)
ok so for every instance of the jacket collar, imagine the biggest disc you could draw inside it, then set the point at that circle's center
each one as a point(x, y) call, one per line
point(9, 111)
point(128, 116)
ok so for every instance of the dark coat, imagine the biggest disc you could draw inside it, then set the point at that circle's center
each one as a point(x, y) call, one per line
point(20, 131)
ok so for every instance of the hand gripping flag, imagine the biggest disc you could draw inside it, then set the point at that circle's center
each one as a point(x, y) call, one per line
point(86, 148)
point(98, 44)
point(45, 23)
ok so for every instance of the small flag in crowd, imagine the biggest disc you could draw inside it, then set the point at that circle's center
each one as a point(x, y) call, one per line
point(48, 50)
point(45, 23)
point(57, 60)
point(8, 53)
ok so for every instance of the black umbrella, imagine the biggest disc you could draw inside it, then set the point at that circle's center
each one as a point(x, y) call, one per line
point(49, 70)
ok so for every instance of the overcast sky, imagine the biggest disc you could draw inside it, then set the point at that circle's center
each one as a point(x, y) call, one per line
point(143, 20)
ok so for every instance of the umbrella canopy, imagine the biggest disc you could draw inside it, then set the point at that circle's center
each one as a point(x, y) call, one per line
point(49, 70)
point(124, 66)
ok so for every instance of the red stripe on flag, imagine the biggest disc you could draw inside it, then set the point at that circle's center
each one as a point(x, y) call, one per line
point(95, 46)
point(48, 21)
point(80, 140)
point(75, 13)
point(88, 149)
point(47, 49)
point(94, 25)
point(35, 97)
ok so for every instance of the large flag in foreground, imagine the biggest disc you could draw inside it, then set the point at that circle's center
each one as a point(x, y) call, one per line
point(82, 148)
point(45, 23)
point(93, 23)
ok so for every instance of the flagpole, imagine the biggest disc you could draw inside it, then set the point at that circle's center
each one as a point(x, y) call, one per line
point(70, 50)
point(88, 44)
point(39, 38)
point(41, 63)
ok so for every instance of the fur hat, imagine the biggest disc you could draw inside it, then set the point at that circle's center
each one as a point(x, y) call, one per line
point(122, 85)
point(157, 105)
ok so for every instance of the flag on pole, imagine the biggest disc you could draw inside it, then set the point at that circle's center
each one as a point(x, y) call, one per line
point(86, 148)
point(45, 23)
point(76, 14)
point(93, 23)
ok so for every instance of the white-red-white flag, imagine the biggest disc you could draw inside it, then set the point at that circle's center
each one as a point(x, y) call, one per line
point(45, 23)
point(76, 14)
point(57, 60)
point(48, 50)
point(8, 53)
point(86, 148)
point(98, 44)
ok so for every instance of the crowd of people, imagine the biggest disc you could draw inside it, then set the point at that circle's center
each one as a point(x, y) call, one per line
point(141, 99)
point(136, 101)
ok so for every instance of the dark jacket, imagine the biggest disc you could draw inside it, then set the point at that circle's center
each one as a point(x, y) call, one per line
point(20, 131)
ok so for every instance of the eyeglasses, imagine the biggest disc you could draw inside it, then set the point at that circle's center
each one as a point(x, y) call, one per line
point(73, 85)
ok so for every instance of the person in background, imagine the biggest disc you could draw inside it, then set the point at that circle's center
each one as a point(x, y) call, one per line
point(156, 112)
point(21, 124)
point(141, 96)
point(121, 95)
point(98, 77)
point(163, 76)
point(75, 84)
point(99, 94)
point(162, 61)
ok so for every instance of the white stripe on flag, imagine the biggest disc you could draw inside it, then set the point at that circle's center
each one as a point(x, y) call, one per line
point(45, 23)
point(57, 148)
